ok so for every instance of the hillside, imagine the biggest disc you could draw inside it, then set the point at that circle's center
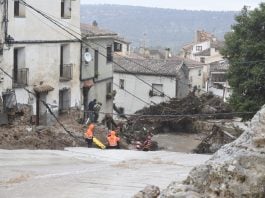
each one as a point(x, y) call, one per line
point(163, 27)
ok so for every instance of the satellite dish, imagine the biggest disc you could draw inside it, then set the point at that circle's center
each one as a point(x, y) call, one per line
point(87, 57)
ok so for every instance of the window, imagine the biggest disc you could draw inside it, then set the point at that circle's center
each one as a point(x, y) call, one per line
point(121, 84)
point(19, 9)
point(109, 93)
point(61, 60)
point(66, 9)
point(96, 64)
point(121, 110)
point(198, 48)
point(117, 47)
point(157, 89)
point(66, 69)
point(108, 88)
point(190, 79)
point(20, 73)
point(64, 100)
point(202, 59)
point(199, 72)
point(109, 54)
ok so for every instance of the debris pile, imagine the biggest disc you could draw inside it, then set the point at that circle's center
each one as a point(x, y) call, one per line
point(22, 135)
point(217, 136)
point(236, 170)
point(148, 192)
point(177, 115)
point(181, 113)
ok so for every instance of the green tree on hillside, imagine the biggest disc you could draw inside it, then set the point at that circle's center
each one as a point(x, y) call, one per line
point(245, 50)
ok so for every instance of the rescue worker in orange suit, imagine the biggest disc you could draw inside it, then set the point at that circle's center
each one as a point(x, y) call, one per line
point(113, 141)
point(89, 135)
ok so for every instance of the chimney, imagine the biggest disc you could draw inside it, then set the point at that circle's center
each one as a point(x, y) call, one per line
point(167, 51)
point(95, 24)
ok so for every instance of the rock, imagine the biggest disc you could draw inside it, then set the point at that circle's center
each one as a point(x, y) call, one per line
point(236, 170)
point(148, 192)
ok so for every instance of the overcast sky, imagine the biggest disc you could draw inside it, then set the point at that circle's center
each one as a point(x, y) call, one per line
point(183, 4)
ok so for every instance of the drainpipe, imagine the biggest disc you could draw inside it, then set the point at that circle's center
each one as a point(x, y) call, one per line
point(37, 109)
point(6, 18)
point(81, 58)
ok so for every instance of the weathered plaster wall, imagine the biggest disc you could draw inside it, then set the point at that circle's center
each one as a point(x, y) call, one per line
point(141, 90)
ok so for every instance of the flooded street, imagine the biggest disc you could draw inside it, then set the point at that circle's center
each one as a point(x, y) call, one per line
point(177, 142)
point(82, 172)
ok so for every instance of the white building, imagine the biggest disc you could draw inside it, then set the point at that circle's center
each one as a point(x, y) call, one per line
point(122, 46)
point(41, 57)
point(97, 74)
point(218, 84)
point(206, 50)
point(198, 75)
point(143, 82)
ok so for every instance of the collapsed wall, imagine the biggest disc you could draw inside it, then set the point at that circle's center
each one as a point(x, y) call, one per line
point(236, 170)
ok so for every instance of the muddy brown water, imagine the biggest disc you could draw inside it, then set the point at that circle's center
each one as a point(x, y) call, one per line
point(177, 142)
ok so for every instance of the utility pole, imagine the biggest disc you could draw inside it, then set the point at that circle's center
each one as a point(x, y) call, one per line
point(5, 19)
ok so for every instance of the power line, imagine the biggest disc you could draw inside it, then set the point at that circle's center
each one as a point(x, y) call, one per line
point(60, 25)
point(179, 115)
point(237, 62)
point(133, 95)
point(124, 90)
point(45, 104)
point(63, 27)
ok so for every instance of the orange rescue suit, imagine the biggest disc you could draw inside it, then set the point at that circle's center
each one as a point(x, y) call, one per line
point(113, 139)
point(90, 131)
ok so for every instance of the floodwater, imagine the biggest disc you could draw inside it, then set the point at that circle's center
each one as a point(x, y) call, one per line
point(177, 142)
point(84, 172)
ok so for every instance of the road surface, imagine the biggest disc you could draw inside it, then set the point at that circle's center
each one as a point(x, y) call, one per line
point(83, 173)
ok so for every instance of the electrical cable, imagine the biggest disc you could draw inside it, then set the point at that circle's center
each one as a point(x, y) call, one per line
point(62, 27)
point(46, 105)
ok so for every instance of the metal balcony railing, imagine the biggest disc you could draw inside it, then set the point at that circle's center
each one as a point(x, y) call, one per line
point(66, 72)
point(20, 77)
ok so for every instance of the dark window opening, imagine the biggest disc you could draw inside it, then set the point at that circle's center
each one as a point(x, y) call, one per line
point(198, 48)
point(121, 110)
point(117, 47)
point(15, 65)
point(16, 8)
point(66, 9)
point(62, 8)
point(64, 100)
point(108, 88)
point(19, 9)
point(61, 60)
point(109, 54)
point(121, 84)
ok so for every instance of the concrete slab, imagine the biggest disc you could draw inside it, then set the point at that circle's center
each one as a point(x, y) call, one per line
point(83, 173)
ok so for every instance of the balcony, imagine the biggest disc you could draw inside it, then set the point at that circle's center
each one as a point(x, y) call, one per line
point(20, 77)
point(66, 72)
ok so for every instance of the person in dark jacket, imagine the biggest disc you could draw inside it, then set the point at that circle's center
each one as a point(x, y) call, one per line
point(91, 110)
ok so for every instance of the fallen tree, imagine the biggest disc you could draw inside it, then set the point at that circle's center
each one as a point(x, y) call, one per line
point(177, 115)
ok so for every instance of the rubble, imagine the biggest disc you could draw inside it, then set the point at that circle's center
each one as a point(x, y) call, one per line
point(21, 134)
point(190, 105)
point(148, 192)
point(218, 135)
point(236, 170)
point(181, 114)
